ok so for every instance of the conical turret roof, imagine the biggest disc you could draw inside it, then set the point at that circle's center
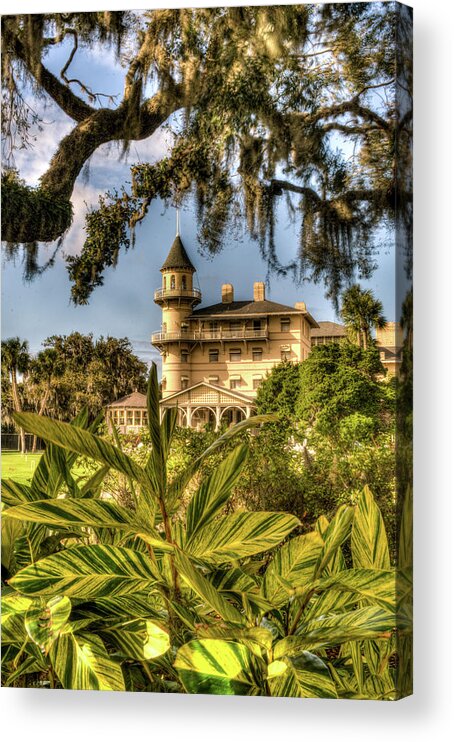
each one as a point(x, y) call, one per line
point(177, 257)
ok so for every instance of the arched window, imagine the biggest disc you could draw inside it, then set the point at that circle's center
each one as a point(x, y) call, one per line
point(172, 282)
point(183, 283)
point(164, 282)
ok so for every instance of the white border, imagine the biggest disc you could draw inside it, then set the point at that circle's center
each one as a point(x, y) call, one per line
point(75, 716)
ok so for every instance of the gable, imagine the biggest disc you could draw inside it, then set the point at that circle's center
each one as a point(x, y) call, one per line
point(204, 393)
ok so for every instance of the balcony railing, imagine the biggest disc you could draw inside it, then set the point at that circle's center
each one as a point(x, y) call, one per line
point(220, 334)
point(160, 294)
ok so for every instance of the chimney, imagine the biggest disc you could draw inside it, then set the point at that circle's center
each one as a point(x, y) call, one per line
point(227, 293)
point(259, 291)
point(301, 306)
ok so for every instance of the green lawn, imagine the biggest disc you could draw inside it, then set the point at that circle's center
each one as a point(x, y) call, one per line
point(19, 466)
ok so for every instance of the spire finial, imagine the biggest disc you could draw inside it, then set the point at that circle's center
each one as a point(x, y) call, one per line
point(178, 223)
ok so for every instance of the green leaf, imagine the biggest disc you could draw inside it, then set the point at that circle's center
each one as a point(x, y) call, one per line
point(14, 608)
point(88, 572)
point(292, 566)
point(141, 640)
point(218, 667)
point(371, 585)
point(241, 534)
point(365, 623)
point(305, 676)
point(67, 512)
point(200, 585)
point(369, 543)
point(81, 442)
point(44, 621)
point(15, 493)
point(82, 663)
point(92, 486)
point(334, 536)
point(11, 531)
point(214, 492)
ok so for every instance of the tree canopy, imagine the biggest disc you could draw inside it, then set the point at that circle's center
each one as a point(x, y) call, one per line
point(305, 103)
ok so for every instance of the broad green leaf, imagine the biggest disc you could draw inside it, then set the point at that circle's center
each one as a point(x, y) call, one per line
point(67, 512)
point(241, 534)
point(369, 543)
point(371, 585)
point(292, 566)
point(305, 676)
point(88, 572)
point(81, 442)
point(168, 425)
point(365, 623)
point(15, 493)
point(93, 484)
point(214, 492)
point(334, 536)
point(82, 663)
point(11, 531)
point(118, 609)
point(254, 637)
point(14, 608)
point(200, 585)
point(139, 639)
point(44, 621)
point(243, 586)
point(218, 667)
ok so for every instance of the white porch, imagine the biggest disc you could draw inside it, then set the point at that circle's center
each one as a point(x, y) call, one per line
point(207, 404)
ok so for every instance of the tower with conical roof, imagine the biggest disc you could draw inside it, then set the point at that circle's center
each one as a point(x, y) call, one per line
point(177, 297)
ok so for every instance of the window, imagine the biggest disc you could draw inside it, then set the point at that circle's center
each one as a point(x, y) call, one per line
point(184, 382)
point(257, 325)
point(164, 326)
point(183, 283)
point(121, 417)
point(257, 354)
point(137, 417)
point(256, 381)
point(164, 282)
point(184, 356)
point(235, 355)
point(115, 417)
point(285, 324)
point(172, 282)
point(144, 417)
point(213, 356)
point(129, 417)
point(285, 355)
point(234, 382)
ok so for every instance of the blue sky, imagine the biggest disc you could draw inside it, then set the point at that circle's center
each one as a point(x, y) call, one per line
point(124, 305)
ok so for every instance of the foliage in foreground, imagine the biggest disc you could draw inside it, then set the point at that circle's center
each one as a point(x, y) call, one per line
point(149, 599)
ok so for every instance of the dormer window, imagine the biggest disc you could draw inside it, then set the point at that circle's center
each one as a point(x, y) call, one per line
point(172, 282)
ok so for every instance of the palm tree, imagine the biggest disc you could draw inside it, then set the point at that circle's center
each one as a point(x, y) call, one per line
point(44, 372)
point(361, 312)
point(15, 360)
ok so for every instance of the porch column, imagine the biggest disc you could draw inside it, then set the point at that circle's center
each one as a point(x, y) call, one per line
point(218, 417)
point(248, 412)
point(188, 417)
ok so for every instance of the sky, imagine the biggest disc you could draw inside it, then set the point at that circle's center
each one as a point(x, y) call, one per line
point(124, 306)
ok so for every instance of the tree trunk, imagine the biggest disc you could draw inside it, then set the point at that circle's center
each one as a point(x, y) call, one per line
point(42, 410)
point(17, 407)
